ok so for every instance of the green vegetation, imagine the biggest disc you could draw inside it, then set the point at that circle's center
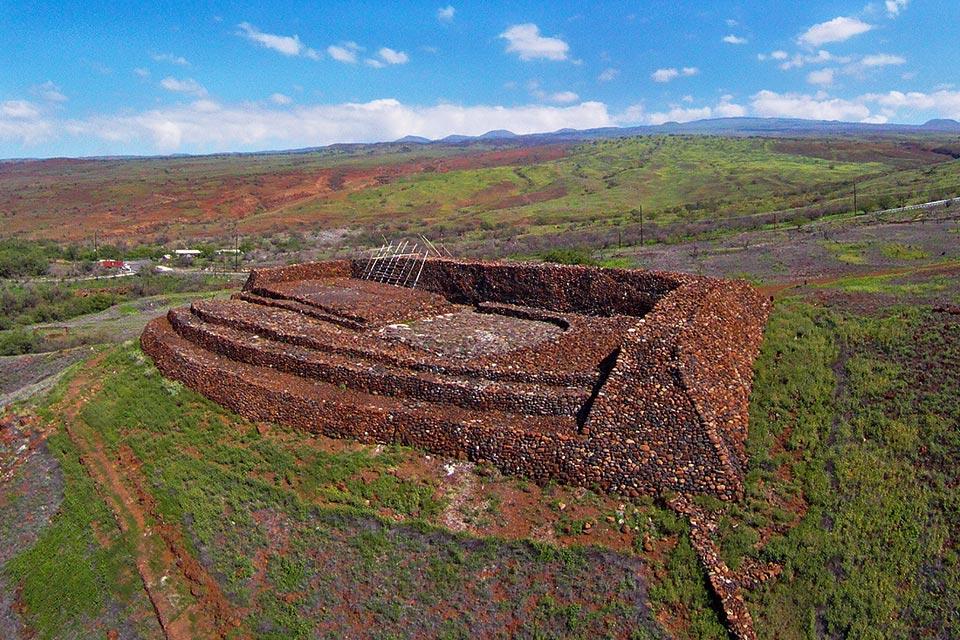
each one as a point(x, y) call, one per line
point(321, 522)
point(898, 251)
point(25, 304)
point(851, 447)
point(569, 256)
point(848, 252)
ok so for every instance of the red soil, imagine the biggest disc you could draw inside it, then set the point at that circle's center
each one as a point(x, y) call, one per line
point(115, 199)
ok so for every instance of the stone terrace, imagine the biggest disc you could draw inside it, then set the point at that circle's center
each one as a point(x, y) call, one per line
point(630, 381)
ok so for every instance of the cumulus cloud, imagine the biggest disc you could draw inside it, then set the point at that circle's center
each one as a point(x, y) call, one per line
point(797, 105)
point(525, 40)
point(253, 127)
point(445, 14)
point(390, 56)
point(668, 74)
point(187, 85)
point(680, 114)
point(945, 103)
point(287, 45)
point(19, 110)
point(169, 57)
point(725, 108)
point(22, 122)
point(141, 72)
point(345, 52)
point(732, 39)
point(882, 60)
point(837, 30)
point(608, 75)
point(822, 77)
point(799, 60)
point(49, 91)
point(894, 7)
point(664, 75)
point(564, 97)
point(280, 99)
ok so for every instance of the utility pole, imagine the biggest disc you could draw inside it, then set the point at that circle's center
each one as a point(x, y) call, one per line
point(96, 247)
point(641, 224)
point(236, 251)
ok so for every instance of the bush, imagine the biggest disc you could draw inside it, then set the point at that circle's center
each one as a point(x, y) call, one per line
point(570, 255)
point(18, 342)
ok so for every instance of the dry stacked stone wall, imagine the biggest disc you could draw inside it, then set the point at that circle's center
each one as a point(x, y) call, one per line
point(645, 390)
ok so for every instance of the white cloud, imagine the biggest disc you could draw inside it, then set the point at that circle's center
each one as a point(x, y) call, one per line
point(944, 103)
point(779, 55)
point(564, 97)
point(187, 85)
point(796, 105)
point(252, 127)
point(49, 92)
point(799, 60)
point(287, 45)
point(19, 110)
point(280, 99)
point(822, 77)
point(726, 108)
point(169, 57)
point(345, 52)
point(445, 14)
point(690, 71)
point(732, 39)
point(608, 75)
point(525, 40)
point(664, 75)
point(680, 114)
point(894, 7)
point(206, 106)
point(22, 122)
point(141, 72)
point(393, 57)
point(837, 30)
point(882, 60)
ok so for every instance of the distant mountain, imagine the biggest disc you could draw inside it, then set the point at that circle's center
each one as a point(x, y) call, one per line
point(413, 140)
point(498, 134)
point(941, 124)
point(712, 126)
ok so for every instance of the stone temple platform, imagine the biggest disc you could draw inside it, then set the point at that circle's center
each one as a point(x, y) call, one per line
point(626, 380)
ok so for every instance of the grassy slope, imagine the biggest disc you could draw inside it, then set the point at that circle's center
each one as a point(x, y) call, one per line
point(674, 178)
point(598, 181)
point(298, 533)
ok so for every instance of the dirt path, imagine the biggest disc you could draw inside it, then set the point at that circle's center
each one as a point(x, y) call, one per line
point(187, 601)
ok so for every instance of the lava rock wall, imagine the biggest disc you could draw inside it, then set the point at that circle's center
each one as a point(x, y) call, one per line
point(668, 409)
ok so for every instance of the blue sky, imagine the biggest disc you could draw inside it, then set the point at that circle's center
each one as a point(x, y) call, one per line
point(97, 78)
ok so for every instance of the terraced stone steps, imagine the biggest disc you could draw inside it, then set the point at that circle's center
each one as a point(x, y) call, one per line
point(301, 327)
point(263, 393)
point(377, 377)
point(299, 307)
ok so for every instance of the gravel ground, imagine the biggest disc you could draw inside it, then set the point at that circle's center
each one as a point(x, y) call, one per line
point(842, 248)
point(31, 490)
point(467, 334)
